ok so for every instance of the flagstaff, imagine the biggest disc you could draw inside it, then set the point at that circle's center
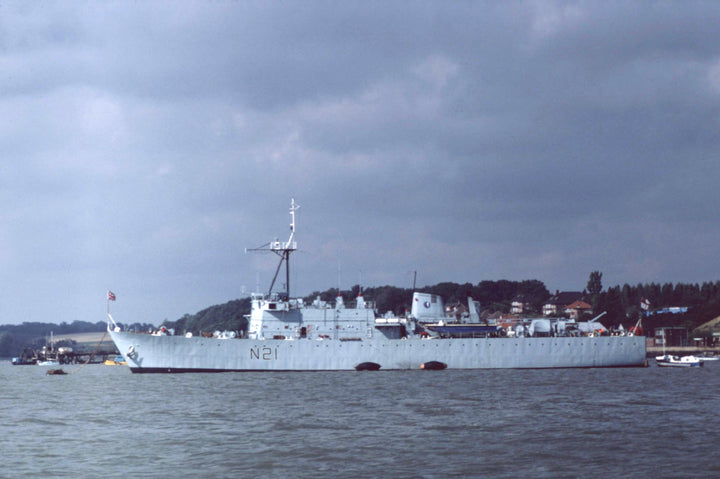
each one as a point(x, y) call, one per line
point(110, 297)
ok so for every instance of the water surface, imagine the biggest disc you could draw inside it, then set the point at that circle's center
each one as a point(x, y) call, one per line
point(103, 421)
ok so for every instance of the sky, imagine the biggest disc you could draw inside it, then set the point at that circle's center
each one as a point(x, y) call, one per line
point(145, 145)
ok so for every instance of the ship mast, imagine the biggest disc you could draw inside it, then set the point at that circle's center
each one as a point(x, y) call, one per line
point(283, 249)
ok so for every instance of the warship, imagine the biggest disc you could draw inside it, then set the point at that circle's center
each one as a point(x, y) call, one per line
point(289, 334)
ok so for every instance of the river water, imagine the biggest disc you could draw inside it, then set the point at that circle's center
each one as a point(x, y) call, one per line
point(103, 421)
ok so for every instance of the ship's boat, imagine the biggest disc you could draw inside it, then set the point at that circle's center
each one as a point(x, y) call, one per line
point(288, 334)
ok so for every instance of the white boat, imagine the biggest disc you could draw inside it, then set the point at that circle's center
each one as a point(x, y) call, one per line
point(678, 361)
point(669, 360)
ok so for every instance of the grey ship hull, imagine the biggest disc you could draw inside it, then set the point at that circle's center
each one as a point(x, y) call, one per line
point(146, 353)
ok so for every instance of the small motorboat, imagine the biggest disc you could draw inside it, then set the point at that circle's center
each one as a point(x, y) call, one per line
point(668, 360)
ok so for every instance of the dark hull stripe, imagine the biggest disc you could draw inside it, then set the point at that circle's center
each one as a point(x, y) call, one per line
point(190, 370)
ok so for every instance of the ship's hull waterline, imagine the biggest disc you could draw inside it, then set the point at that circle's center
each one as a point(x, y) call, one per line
point(146, 353)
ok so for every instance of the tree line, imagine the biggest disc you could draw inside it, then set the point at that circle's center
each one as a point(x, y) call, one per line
point(623, 303)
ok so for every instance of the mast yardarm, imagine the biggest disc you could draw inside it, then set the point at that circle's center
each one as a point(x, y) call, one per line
point(283, 249)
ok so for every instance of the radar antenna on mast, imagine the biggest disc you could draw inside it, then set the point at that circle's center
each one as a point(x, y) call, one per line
point(283, 249)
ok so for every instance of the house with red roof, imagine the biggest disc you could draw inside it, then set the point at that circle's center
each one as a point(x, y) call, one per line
point(577, 309)
point(560, 301)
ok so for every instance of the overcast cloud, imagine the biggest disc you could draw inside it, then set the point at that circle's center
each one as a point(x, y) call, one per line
point(145, 145)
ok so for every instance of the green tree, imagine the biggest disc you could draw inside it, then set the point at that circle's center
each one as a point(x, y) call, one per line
point(594, 284)
point(594, 287)
point(611, 302)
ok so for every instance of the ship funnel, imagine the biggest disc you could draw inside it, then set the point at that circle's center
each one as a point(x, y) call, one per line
point(427, 308)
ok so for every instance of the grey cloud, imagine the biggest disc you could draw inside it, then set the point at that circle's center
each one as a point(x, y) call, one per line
point(147, 144)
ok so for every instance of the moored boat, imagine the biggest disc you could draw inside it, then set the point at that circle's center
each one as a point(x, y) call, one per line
point(669, 360)
point(28, 357)
point(288, 334)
